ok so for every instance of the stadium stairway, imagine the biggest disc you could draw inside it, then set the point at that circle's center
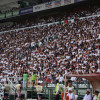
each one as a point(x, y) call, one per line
point(13, 88)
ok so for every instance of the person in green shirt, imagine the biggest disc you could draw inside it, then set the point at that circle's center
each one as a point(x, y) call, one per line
point(34, 78)
point(25, 75)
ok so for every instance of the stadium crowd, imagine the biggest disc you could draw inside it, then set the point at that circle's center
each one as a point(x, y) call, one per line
point(52, 50)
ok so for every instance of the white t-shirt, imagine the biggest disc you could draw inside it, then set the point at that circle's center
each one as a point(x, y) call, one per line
point(18, 86)
point(94, 98)
point(98, 70)
point(60, 79)
point(87, 97)
point(73, 78)
point(71, 96)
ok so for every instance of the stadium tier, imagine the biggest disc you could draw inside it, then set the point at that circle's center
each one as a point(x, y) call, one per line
point(66, 47)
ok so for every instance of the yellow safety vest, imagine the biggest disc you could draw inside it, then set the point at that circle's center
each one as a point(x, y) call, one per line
point(56, 89)
point(97, 97)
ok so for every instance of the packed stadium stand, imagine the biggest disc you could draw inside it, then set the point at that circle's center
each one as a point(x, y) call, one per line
point(52, 46)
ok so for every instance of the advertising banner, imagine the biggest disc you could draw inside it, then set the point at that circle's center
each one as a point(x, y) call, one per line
point(2, 16)
point(38, 7)
point(52, 4)
point(15, 13)
point(79, 0)
point(57, 3)
point(66, 2)
point(48, 5)
point(26, 11)
point(8, 14)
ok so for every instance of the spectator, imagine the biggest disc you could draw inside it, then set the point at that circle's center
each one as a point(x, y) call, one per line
point(18, 90)
point(71, 48)
point(87, 95)
point(70, 86)
point(6, 90)
point(34, 76)
point(57, 90)
point(71, 94)
point(39, 90)
point(25, 75)
point(97, 95)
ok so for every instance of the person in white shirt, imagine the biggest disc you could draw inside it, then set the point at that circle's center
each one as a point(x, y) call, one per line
point(18, 90)
point(70, 86)
point(97, 95)
point(61, 79)
point(87, 95)
point(71, 94)
point(39, 90)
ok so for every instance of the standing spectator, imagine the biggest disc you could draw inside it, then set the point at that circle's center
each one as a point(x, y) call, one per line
point(34, 78)
point(57, 90)
point(61, 79)
point(39, 90)
point(25, 75)
point(70, 86)
point(87, 95)
point(66, 89)
point(18, 90)
point(6, 91)
point(97, 95)
point(71, 94)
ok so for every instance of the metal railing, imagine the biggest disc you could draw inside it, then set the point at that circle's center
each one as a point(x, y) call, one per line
point(49, 88)
point(13, 88)
point(72, 20)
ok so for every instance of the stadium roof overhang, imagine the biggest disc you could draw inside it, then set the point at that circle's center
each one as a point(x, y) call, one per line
point(8, 4)
point(94, 79)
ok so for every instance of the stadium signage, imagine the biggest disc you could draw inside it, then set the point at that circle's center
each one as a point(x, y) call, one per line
point(38, 8)
point(52, 4)
point(15, 13)
point(8, 14)
point(79, 0)
point(26, 11)
point(57, 3)
point(49, 5)
point(67, 2)
point(2, 16)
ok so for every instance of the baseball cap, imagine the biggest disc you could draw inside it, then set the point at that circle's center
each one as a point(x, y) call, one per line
point(88, 90)
point(96, 91)
point(70, 89)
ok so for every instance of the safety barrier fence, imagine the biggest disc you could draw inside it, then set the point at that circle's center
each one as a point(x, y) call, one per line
point(48, 88)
